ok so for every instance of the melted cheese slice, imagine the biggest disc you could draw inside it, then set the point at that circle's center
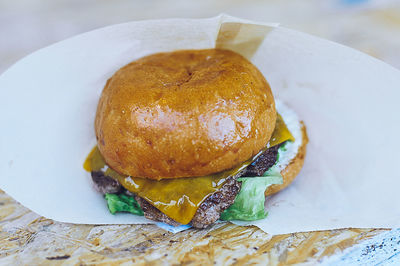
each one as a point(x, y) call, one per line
point(280, 134)
point(180, 198)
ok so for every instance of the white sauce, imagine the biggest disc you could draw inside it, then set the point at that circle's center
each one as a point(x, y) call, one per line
point(288, 151)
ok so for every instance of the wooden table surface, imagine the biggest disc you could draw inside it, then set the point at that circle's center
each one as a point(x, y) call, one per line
point(27, 238)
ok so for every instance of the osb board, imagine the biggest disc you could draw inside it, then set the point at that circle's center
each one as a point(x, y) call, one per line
point(26, 238)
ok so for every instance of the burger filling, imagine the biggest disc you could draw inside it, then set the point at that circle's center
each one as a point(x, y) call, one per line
point(237, 194)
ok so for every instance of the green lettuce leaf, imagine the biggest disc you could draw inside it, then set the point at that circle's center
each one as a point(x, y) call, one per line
point(249, 203)
point(122, 203)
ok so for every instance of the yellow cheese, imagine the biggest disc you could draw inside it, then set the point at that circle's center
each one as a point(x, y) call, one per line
point(180, 198)
point(280, 134)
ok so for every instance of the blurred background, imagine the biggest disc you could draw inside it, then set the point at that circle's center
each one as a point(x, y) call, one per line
point(372, 26)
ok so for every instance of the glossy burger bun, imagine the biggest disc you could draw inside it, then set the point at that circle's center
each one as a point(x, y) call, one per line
point(184, 114)
point(293, 168)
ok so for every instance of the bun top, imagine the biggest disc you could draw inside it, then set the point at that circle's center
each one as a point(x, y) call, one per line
point(184, 114)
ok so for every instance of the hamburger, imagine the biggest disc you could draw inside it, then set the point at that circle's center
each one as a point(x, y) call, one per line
point(193, 136)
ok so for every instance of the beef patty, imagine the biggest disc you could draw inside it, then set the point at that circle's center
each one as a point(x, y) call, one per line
point(210, 209)
point(208, 212)
point(265, 161)
point(105, 184)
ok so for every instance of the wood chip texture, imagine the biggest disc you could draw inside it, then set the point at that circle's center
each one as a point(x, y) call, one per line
point(29, 239)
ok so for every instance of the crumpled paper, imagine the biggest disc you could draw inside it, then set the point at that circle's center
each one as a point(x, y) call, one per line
point(348, 101)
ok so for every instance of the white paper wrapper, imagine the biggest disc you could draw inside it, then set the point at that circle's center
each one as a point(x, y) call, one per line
point(348, 100)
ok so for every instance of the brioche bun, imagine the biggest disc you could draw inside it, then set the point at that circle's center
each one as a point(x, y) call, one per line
point(184, 114)
point(293, 168)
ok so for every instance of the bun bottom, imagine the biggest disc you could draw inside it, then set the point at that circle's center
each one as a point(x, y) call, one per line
point(293, 168)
